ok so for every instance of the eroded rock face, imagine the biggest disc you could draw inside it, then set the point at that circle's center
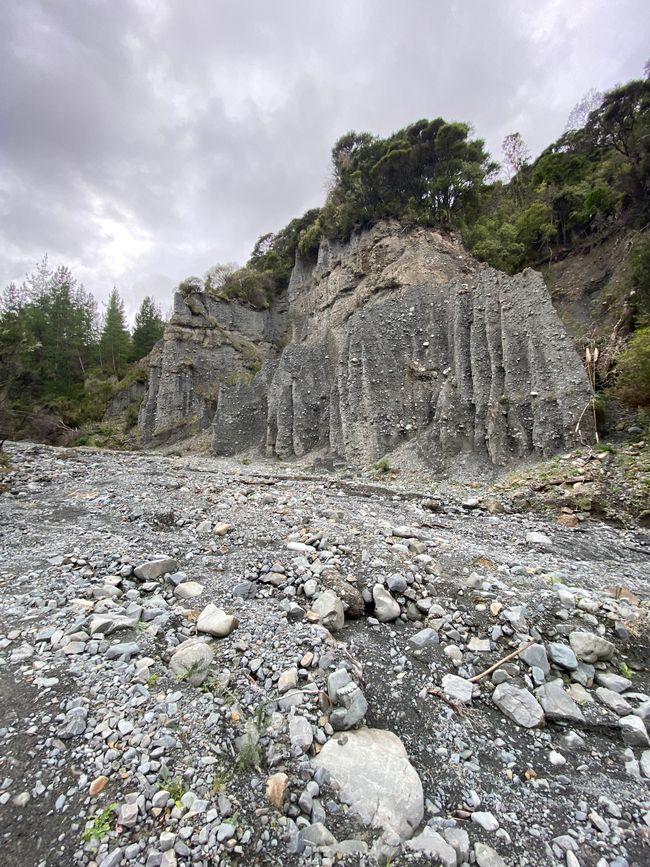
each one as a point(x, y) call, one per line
point(395, 341)
point(404, 342)
point(208, 345)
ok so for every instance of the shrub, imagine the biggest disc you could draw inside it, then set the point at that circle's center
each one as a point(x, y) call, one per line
point(189, 285)
point(633, 370)
point(640, 273)
point(131, 415)
point(250, 285)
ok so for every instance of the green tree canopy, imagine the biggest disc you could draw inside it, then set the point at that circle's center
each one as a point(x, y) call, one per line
point(148, 328)
point(115, 341)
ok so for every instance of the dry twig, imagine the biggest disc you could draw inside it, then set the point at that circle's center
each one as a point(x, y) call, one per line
point(489, 670)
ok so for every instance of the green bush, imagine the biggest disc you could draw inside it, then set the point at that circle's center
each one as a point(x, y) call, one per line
point(633, 370)
point(640, 273)
point(247, 284)
point(131, 415)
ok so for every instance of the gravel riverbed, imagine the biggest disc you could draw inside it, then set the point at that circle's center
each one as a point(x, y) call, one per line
point(206, 663)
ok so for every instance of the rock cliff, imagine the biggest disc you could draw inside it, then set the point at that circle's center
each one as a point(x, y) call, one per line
point(396, 341)
point(208, 346)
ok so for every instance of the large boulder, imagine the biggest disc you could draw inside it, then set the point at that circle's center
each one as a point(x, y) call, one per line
point(191, 661)
point(375, 778)
point(215, 621)
point(590, 647)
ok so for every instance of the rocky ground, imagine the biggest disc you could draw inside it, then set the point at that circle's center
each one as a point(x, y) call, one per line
point(207, 663)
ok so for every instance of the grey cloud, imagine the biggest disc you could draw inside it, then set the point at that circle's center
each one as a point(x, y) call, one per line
point(145, 140)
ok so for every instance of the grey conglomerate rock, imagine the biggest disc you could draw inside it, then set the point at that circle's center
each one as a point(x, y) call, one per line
point(394, 341)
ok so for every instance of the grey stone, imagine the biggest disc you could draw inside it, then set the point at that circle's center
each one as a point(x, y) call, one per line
point(214, 621)
point(112, 858)
point(557, 704)
point(354, 710)
point(584, 674)
point(317, 835)
point(155, 569)
point(107, 624)
point(191, 662)
point(459, 839)
point(375, 777)
point(457, 688)
point(644, 764)
point(590, 647)
point(347, 848)
point(615, 682)
point(485, 820)
point(335, 681)
point(125, 649)
point(397, 583)
point(329, 608)
point(225, 831)
point(487, 857)
point(128, 815)
point(519, 705)
point(613, 701)
point(189, 590)
point(288, 680)
point(535, 656)
point(244, 590)
point(434, 847)
point(562, 656)
point(479, 645)
point(301, 734)
point(539, 540)
point(634, 731)
point(424, 639)
point(386, 608)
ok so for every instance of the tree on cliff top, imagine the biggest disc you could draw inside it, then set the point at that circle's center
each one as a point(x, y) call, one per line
point(429, 172)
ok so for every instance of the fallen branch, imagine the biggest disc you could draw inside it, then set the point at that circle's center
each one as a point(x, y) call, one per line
point(500, 662)
point(456, 706)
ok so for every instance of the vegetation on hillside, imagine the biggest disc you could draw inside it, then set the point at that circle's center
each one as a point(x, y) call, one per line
point(434, 172)
point(595, 178)
point(58, 357)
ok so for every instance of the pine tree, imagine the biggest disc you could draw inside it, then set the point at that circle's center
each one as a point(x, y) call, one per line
point(148, 330)
point(115, 341)
point(59, 317)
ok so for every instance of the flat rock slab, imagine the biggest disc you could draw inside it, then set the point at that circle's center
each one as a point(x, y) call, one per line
point(155, 568)
point(558, 704)
point(457, 688)
point(519, 705)
point(375, 777)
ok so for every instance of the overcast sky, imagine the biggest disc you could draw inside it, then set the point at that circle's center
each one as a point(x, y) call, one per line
point(142, 141)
